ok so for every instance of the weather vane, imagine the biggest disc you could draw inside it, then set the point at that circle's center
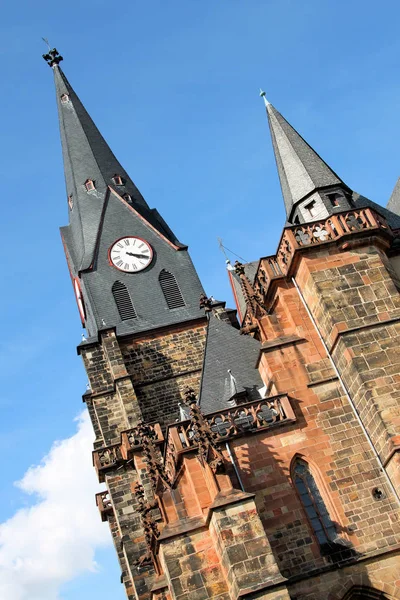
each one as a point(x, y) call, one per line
point(53, 57)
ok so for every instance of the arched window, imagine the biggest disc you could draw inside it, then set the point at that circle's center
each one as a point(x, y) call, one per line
point(358, 592)
point(170, 289)
point(322, 524)
point(123, 301)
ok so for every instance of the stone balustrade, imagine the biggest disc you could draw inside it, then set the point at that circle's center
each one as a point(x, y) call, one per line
point(300, 237)
point(104, 505)
point(327, 230)
point(229, 423)
point(131, 439)
point(105, 459)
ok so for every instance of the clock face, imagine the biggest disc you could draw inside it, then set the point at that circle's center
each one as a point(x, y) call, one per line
point(130, 254)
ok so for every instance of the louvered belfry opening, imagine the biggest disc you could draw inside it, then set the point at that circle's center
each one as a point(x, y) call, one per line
point(123, 301)
point(170, 289)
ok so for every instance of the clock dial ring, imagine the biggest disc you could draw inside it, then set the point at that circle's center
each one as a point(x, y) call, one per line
point(130, 254)
point(79, 299)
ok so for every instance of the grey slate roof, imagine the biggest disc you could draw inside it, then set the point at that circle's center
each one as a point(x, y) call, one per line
point(388, 213)
point(87, 155)
point(226, 349)
point(144, 288)
point(301, 170)
point(394, 201)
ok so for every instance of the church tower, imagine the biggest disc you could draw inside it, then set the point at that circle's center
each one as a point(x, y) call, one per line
point(250, 458)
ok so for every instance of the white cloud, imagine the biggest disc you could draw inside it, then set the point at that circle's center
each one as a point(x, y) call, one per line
point(54, 540)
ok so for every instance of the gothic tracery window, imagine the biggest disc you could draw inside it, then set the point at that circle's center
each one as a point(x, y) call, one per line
point(313, 504)
point(170, 288)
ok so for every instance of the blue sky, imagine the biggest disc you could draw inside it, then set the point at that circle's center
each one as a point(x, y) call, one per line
point(173, 86)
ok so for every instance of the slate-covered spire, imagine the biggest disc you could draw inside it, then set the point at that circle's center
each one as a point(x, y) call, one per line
point(88, 158)
point(105, 207)
point(302, 172)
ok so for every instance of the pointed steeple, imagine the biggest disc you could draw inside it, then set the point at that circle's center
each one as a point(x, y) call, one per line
point(90, 170)
point(151, 282)
point(301, 170)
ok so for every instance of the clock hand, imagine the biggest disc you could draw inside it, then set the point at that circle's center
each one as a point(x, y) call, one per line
point(136, 255)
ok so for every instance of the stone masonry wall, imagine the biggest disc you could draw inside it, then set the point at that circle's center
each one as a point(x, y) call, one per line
point(193, 567)
point(327, 436)
point(382, 574)
point(356, 304)
point(129, 381)
point(161, 365)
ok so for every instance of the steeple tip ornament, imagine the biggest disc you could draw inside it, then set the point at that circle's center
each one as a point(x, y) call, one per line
point(264, 97)
point(53, 57)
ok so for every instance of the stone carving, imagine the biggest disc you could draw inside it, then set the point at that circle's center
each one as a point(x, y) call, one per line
point(253, 299)
point(205, 303)
point(147, 437)
point(203, 435)
point(149, 525)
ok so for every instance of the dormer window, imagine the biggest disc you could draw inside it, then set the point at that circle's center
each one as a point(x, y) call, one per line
point(64, 98)
point(311, 208)
point(89, 185)
point(334, 199)
point(117, 179)
point(70, 202)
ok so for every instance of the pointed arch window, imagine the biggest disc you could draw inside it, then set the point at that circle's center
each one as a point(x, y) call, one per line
point(123, 301)
point(313, 503)
point(170, 289)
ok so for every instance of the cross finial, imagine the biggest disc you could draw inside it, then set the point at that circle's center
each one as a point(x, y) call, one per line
point(264, 96)
point(53, 57)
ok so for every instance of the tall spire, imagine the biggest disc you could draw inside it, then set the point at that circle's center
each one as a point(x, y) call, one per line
point(301, 170)
point(87, 158)
point(105, 207)
point(90, 170)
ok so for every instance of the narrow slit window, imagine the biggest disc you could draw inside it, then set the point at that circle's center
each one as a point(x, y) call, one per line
point(313, 504)
point(71, 201)
point(311, 208)
point(123, 301)
point(118, 180)
point(170, 289)
point(89, 185)
point(64, 98)
point(334, 199)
